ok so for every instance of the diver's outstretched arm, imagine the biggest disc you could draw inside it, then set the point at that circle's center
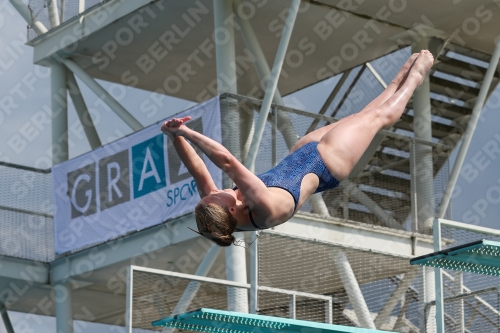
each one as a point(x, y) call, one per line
point(251, 187)
point(216, 152)
point(192, 161)
point(195, 165)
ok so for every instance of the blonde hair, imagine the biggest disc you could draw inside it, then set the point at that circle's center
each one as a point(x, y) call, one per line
point(215, 223)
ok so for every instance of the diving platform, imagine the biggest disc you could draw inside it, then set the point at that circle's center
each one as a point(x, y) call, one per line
point(480, 257)
point(216, 321)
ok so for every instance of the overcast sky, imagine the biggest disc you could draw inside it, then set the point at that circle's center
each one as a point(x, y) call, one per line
point(25, 138)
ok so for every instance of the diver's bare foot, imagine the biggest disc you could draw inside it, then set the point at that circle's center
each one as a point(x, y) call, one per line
point(403, 72)
point(422, 65)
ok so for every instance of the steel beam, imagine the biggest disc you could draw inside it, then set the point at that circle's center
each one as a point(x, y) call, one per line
point(423, 130)
point(365, 200)
point(236, 270)
point(402, 313)
point(21, 269)
point(129, 305)
point(64, 307)
point(83, 112)
point(227, 83)
point(424, 188)
point(330, 99)
point(53, 13)
point(469, 132)
point(348, 91)
point(285, 125)
point(106, 97)
point(395, 297)
point(376, 74)
point(254, 272)
point(134, 245)
point(25, 12)
point(273, 81)
point(59, 106)
point(352, 289)
point(6, 320)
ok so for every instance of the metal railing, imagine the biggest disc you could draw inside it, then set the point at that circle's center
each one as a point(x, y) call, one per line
point(443, 286)
point(143, 281)
point(65, 9)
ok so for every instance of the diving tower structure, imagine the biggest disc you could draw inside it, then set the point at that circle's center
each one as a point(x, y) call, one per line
point(351, 244)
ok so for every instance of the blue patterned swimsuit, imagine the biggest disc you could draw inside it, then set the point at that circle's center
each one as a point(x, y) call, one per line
point(288, 174)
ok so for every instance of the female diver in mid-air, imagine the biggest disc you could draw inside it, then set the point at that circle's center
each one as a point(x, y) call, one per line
point(317, 162)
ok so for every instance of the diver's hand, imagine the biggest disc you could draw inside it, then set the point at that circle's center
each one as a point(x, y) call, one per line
point(175, 127)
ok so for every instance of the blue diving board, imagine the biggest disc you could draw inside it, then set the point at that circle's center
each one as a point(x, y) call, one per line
point(481, 257)
point(218, 321)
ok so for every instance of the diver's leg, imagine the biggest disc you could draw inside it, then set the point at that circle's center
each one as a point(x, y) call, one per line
point(342, 147)
point(395, 84)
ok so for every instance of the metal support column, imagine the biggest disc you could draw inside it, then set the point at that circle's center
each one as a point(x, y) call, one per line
point(236, 270)
point(25, 12)
point(129, 300)
point(469, 132)
point(82, 112)
point(81, 6)
point(273, 81)
point(247, 129)
point(438, 284)
point(422, 127)
point(117, 108)
point(254, 273)
point(352, 289)
point(365, 200)
point(264, 73)
point(330, 99)
point(59, 101)
point(6, 319)
point(53, 13)
point(64, 311)
point(227, 83)
point(63, 10)
point(292, 307)
point(459, 305)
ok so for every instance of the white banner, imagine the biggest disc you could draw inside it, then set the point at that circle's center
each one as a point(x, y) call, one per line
point(131, 184)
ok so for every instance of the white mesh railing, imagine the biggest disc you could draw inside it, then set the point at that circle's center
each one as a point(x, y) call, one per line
point(26, 220)
point(303, 279)
point(155, 294)
point(364, 284)
point(66, 9)
point(471, 301)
